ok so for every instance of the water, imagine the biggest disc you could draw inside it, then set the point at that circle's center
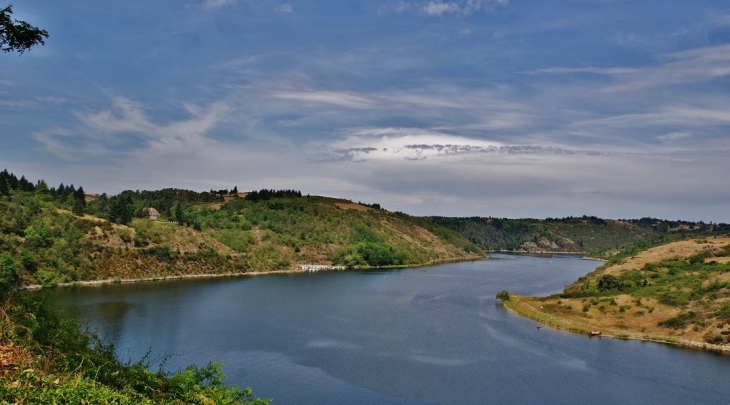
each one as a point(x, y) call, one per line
point(418, 336)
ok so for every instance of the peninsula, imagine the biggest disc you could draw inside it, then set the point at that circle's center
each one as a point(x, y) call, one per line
point(676, 293)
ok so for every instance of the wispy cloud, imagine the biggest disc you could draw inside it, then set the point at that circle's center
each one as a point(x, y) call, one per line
point(325, 97)
point(672, 115)
point(284, 8)
point(588, 69)
point(216, 4)
point(686, 67)
point(719, 19)
point(440, 8)
point(108, 131)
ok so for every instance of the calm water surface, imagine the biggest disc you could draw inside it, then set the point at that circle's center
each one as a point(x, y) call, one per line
point(394, 337)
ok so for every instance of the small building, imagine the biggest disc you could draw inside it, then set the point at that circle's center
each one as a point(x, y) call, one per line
point(152, 213)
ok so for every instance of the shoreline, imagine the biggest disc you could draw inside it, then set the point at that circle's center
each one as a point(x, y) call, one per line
point(97, 283)
point(567, 325)
point(542, 252)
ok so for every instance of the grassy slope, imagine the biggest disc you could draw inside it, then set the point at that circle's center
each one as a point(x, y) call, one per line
point(677, 293)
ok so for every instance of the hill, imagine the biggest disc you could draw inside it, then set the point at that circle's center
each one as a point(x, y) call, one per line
point(677, 292)
point(594, 236)
point(52, 235)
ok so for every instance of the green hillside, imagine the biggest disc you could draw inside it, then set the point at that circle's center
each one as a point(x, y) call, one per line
point(58, 234)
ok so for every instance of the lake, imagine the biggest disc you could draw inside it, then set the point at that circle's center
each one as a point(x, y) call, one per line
point(434, 335)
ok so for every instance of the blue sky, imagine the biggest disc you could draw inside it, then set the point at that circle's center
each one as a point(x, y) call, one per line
point(506, 108)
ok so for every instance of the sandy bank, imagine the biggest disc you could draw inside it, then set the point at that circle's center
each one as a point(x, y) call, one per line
point(519, 305)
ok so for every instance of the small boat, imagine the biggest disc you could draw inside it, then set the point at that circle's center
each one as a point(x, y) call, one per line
point(595, 333)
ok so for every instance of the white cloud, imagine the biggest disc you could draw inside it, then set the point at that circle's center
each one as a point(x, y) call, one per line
point(383, 144)
point(719, 19)
point(671, 115)
point(691, 66)
point(341, 99)
point(674, 136)
point(109, 131)
point(284, 8)
point(18, 103)
point(588, 69)
point(439, 8)
point(216, 4)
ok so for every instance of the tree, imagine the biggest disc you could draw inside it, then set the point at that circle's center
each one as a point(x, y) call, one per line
point(17, 35)
point(503, 295)
point(4, 189)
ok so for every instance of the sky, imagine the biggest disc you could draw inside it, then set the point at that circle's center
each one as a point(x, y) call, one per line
point(503, 108)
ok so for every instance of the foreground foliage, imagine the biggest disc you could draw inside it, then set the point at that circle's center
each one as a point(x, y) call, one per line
point(46, 359)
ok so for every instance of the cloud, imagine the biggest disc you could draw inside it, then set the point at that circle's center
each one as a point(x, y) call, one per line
point(417, 144)
point(674, 136)
point(125, 128)
point(616, 71)
point(216, 4)
point(440, 8)
point(719, 19)
point(284, 8)
point(21, 104)
point(670, 115)
point(340, 99)
point(687, 67)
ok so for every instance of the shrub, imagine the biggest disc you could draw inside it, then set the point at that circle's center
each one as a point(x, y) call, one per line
point(609, 283)
point(678, 322)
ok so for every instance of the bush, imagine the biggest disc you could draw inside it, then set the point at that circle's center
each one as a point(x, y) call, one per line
point(609, 283)
point(376, 254)
point(678, 322)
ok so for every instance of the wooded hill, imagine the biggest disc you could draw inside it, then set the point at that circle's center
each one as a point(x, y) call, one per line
point(594, 236)
point(51, 235)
